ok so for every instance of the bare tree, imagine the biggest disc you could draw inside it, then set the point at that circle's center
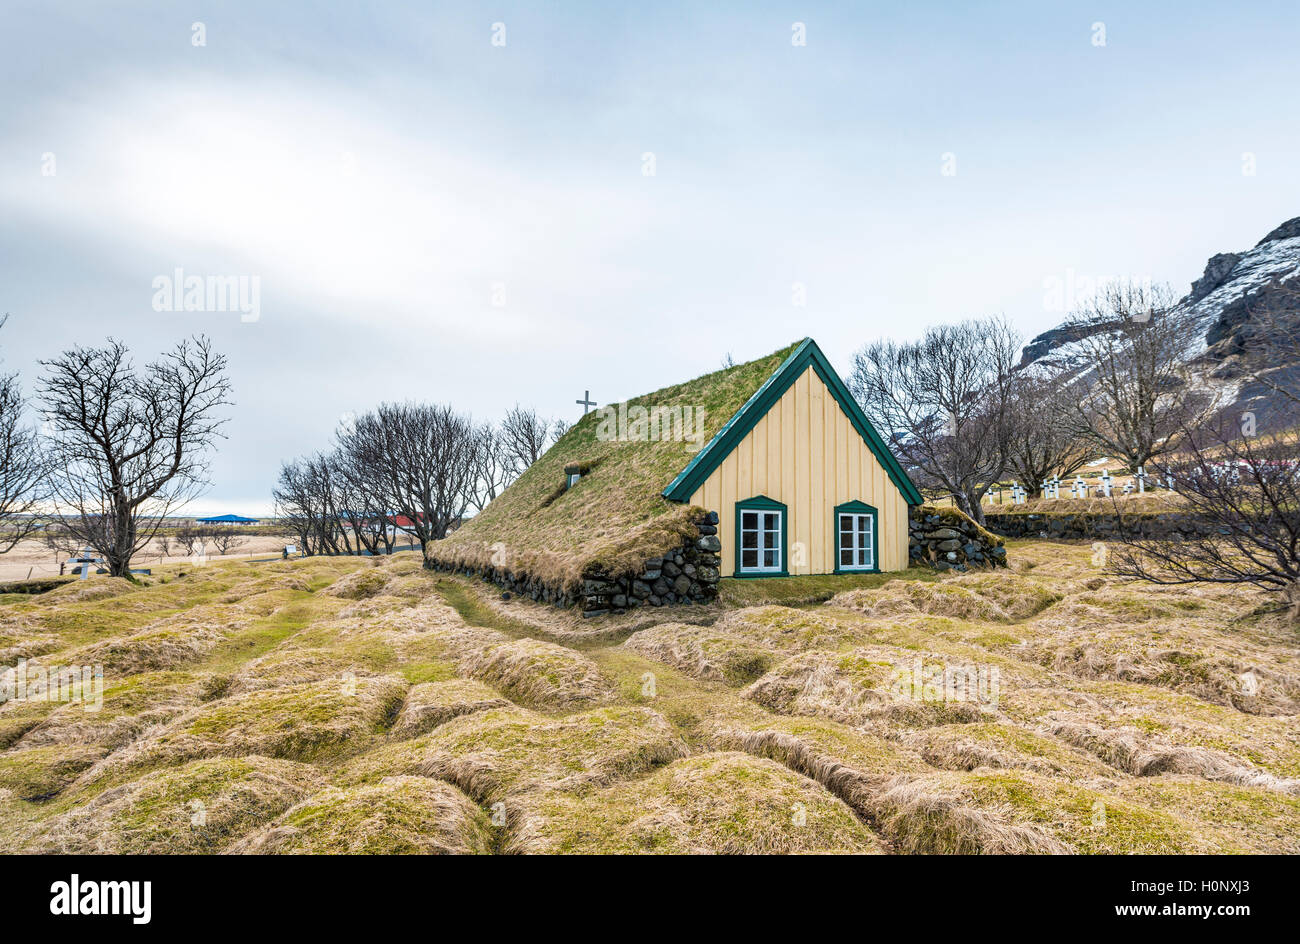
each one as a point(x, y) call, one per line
point(128, 446)
point(944, 403)
point(424, 459)
point(1133, 395)
point(1042, 439)
point(525, 437)
point(495, 466)
point(558, 429)
point(298, 504)
point(23, 467)
point(60, 540)
point(225, 540)
point(189, 539)
point(1245, 491)
point(364, 507)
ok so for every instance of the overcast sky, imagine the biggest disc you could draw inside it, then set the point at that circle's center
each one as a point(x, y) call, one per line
point(431, 215)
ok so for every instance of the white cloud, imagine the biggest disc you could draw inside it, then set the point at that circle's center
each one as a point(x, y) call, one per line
point(335, 209)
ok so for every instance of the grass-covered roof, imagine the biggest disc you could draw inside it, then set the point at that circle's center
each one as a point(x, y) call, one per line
point(616, 515)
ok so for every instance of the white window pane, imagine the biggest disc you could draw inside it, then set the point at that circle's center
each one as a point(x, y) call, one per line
point(749, 519)
point(749, 558)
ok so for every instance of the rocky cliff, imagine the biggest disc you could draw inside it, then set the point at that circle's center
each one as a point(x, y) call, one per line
point(1226, 303)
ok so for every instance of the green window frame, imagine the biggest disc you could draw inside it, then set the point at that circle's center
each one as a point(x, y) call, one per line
point(762, 524)
point(855, 553)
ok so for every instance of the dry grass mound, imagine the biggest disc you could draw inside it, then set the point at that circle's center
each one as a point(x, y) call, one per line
point(1254, 687)
point(1001, 812)
point(397, 816)
point(130, 708)
point(84, 591)
point(858, 687)
point(539, 674)
point(1134, 753)
point(360, 585)
point(409, 587)
point(15, 645)
point(198, 807)
point(430, 704)
point(854, 765)
point(304, 722)
point(492, 755)
point(165, 647)
point(989, 598)
point(38, 773)
point(282, 667)
point(19, 717)
point(1240, 819)
point(728, 803)
point(1000, 746)
point(742, 645)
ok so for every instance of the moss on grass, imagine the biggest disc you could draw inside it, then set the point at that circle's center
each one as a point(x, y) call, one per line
point(493, 754)
point(725, 803)
point(396, 816)
point(38, 773)
point(802, 591)
point(197, 807)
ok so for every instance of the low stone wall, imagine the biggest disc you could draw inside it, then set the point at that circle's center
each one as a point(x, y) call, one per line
point(688, 574)
point(1083, 526)
point(947, 539)
point(522, 584)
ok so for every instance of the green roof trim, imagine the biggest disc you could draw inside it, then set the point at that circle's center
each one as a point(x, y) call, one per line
point(765, 397)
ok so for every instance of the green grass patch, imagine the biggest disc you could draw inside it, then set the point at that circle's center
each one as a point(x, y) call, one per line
point(805, 591)
point(461, 597)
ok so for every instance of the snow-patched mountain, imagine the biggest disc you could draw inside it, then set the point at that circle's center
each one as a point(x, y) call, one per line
point(1224, 303)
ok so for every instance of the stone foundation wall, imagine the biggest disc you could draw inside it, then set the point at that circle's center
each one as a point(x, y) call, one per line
point(688, 574)
point(521, 584)
point(947, 539)
point(1169, 527)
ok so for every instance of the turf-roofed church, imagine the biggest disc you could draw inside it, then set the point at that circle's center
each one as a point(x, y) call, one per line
point(768, 468)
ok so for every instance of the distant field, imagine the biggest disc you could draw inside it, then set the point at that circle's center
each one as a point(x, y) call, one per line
point(351, 705)
point(35, 558)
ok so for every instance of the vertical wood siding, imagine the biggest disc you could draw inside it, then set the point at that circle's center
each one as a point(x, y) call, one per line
point(806, 454)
